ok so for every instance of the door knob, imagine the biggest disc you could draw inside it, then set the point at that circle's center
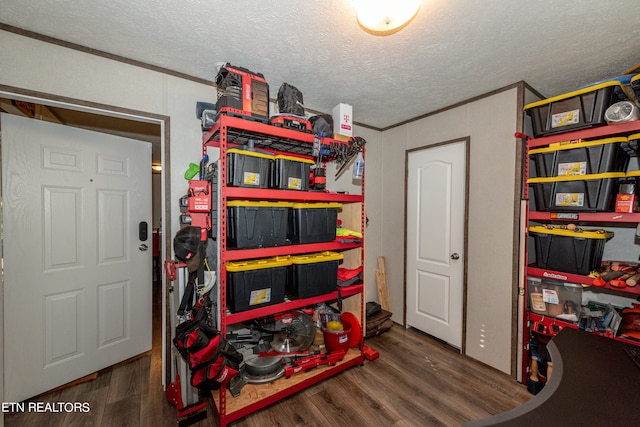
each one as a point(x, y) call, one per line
point(143, 247)
point(455, 255)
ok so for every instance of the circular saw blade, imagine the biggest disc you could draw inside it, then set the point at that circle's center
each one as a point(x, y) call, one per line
point(295, 331)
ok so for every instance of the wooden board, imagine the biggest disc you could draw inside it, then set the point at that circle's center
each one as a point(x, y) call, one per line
point(254, 393)
point(383, 287)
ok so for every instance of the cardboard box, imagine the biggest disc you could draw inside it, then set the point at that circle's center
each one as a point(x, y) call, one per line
point(343, 119)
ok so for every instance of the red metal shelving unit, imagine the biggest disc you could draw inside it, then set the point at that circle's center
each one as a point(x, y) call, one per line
point(228, 132)
point(622, 129)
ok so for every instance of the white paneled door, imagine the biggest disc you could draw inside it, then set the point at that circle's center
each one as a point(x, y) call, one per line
point(436, 181)
point(77, 276)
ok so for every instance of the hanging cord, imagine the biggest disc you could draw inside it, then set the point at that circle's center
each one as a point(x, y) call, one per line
point(211, 275)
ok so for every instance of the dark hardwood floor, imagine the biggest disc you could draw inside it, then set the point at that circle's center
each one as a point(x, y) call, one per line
point(417, 381)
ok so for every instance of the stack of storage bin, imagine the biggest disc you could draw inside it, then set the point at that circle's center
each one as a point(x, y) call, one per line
point(576, 176)
point(251, 168)
point(259, 224)
point(264, 281)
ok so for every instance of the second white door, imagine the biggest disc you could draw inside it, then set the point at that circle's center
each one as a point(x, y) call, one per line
point(436, 181)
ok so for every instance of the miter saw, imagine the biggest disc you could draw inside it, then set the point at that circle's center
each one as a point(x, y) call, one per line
point(292, 334)
point(293, 331)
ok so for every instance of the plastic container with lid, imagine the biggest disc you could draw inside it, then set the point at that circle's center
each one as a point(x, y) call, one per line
point(257, 282)
point(570, 251)
point(579, 109)
point(581, 158)
point(313, 222)
point(313, 274)
point(576, 193)
point(291, 173)
point(248, 168)
point(256, 224)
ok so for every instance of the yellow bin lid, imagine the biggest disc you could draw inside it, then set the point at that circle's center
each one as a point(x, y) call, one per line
point(259, 204)
point(256, 264)
point(570, 146)
point(578, 92)
point(250, 153)
point(294, 159)
point(317, 205)
point(316, 257)
point(558, 231)
point(564, 178)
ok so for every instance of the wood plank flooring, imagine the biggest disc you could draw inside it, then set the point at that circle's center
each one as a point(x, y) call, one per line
point(417, 381)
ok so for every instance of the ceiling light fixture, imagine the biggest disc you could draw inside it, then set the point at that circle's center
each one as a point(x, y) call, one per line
point(384, 17)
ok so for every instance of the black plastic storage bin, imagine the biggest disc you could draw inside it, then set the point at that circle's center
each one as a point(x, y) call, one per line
point(291, 173)
point(569, 251)
point(313, 274)
point(249, 169)
point(256, 283)
point(582, 108)
point(256, 224)
point(581, 158)
point(313, 222)
point(576, 193)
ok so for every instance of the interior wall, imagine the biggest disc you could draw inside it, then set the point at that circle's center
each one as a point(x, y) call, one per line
point(490, 122)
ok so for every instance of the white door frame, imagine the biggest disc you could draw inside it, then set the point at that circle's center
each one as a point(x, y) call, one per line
point(466, 141)
point(14, 93)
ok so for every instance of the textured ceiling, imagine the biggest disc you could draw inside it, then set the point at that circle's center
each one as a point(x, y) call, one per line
point(452, 51)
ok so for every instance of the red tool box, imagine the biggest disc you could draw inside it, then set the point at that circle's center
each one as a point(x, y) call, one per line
point(242, 93)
